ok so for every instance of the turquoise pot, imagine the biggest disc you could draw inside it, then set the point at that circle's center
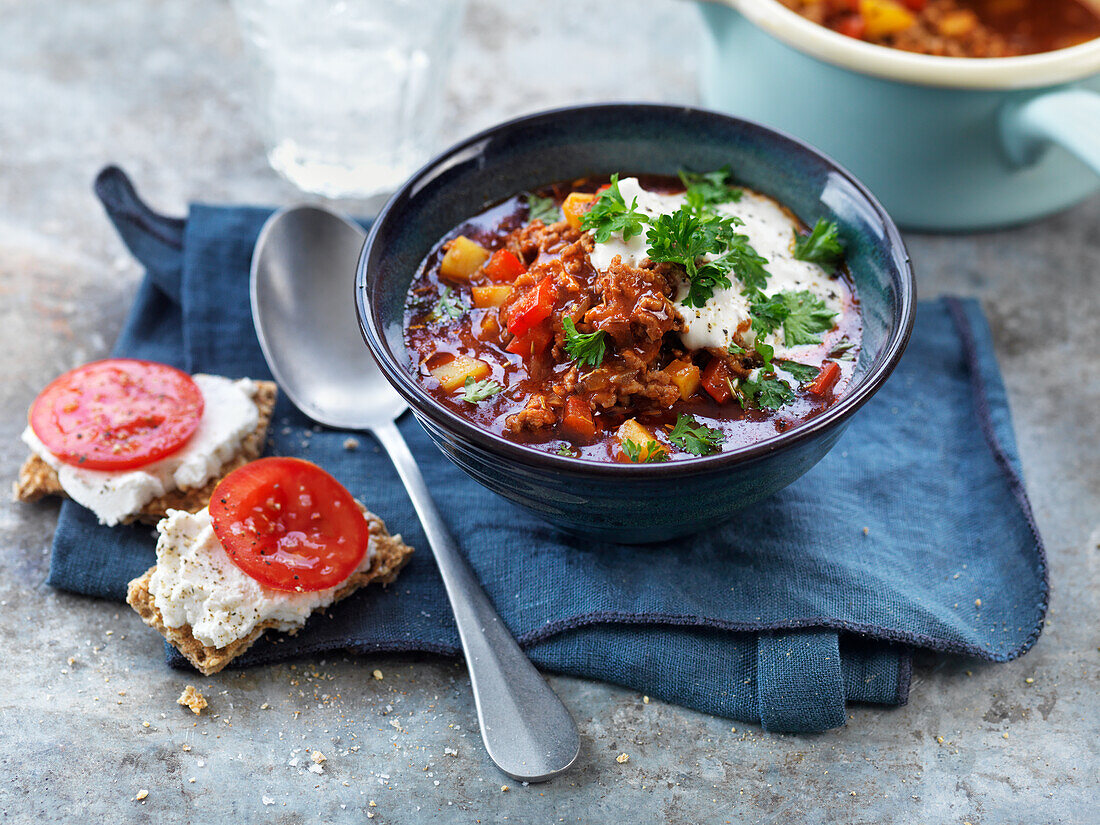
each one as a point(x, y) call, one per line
point(944, 143)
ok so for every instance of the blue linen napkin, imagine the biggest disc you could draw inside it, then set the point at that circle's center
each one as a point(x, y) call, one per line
point(811, 599)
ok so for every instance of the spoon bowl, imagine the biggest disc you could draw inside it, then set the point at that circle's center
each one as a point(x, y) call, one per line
point(305, 320)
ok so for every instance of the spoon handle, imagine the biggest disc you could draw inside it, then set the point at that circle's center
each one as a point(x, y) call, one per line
point(527, 730)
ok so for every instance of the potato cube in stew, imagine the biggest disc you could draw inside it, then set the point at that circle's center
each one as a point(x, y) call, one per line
point(462, 259)
point(453, 374)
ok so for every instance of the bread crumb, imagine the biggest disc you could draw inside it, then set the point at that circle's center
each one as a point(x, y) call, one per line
point(866, 531)
point(267, 800)
point(1004, 735)
point(186, 747)
point(503, 788)
point(371, 804)
point(377, 675)
point(977, 602)
point(191, 698)
point(622, 758)
point(645, 700)
point(316, 769)
point(1029, 681)
point(145, 724)
point(264, 706)
point(141, 794)
point(317, 757)
point(351, 443)
point(370, 814)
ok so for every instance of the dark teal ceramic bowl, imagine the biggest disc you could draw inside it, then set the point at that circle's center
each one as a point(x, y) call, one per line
point(627, 502)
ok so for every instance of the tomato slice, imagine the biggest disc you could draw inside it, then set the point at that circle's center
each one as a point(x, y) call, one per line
point(289, 525)
point(117, 414)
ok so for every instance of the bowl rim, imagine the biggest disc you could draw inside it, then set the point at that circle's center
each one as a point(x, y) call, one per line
point(988, 73)
point(423, 404)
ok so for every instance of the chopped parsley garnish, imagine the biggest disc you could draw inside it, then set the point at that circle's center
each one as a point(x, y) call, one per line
point(448, 305)
point(566, 450)
point(542, 209)
point(843, 350)
point(708, 188)
point(767, 391)
point(822, 246)
point(803, 316)
point(744, 262)
point(695, 438)
point(685, 236)
point(478, 391)
point(654, 452)
point(766, 353)
point(735, 349)
point(800, 372)
point(610, 214)
point(585, 347)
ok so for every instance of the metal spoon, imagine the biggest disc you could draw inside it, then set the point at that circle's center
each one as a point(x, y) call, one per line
point(302, 271)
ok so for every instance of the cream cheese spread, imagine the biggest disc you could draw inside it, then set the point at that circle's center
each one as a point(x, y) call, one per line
point(229, 415)
point(196, 583)
point(771, 232)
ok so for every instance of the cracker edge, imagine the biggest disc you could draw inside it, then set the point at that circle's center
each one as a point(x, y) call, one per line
point(390, 555)
point(38, 479)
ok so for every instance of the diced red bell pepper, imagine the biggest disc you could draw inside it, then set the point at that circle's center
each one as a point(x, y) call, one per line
point(577, 420)
point(536, 305)
point(531, 343)
point(826, 379)
point(504, 266)
point(716, 380)
point(852, 25)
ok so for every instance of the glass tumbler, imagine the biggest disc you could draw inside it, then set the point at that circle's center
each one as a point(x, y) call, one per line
point(350, 91)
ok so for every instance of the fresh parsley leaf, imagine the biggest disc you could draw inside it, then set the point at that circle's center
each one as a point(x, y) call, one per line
point(566, 450)
point(585, 347)
point(822, 246)
point(610, 214)
point(695, 438)
point(685, 236)
point(766, 353)
point(708, 188)
point(448, 305)
point(655, 453)
point(807, 318)
point(735, 349)
point(800, 372)
point(542, 209)
point(478, 391)
point(767, 392)
point(744, 262)
point(843, 350)
point(803, 316)
point(768, 314)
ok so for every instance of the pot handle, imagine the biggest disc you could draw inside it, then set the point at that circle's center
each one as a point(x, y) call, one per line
point(1068, 117)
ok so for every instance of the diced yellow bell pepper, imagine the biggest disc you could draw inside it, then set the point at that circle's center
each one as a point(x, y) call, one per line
point(574, 207)
point(453, 374)
point(631, 430)
point(885, 17)
point(490, 296)
point(462, 259)
point(686, 376)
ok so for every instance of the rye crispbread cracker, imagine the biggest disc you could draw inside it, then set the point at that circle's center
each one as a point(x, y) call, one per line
point(390, 555)
point(38, 479)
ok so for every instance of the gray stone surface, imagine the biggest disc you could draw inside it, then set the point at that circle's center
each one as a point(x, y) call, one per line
point(87, 706)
